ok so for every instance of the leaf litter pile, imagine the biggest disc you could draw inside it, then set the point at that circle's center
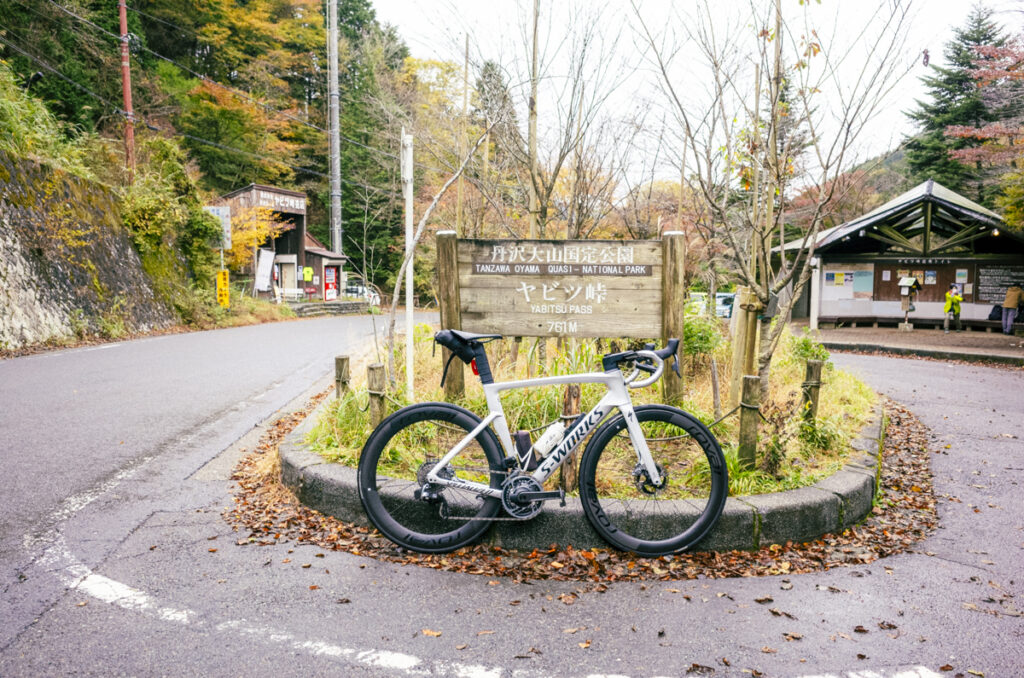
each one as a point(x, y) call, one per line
point(267, 513)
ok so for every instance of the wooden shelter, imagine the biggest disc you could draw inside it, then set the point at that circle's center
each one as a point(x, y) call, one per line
point(930, 233)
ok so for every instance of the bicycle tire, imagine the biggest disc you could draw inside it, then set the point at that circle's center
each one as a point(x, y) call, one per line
point(635, 516)
point(392, 469)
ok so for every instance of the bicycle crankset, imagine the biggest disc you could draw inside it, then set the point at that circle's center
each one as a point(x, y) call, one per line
point(643, 481)
point(512, 501)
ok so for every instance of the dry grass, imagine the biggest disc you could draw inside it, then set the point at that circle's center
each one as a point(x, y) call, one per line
point(807, 454)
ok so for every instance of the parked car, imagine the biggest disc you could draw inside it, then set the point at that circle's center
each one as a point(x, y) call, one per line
point(698, 304)
point(355, 287)
point(723, 304)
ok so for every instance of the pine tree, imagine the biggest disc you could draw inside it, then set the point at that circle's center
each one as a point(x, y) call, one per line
point(954, 100)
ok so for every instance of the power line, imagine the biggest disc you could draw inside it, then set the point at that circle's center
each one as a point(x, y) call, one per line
point(63, 77)
point(185, 135)
point(204, 78)
point(228, 88)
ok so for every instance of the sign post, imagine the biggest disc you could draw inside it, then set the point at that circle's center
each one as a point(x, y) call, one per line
point(223, 290)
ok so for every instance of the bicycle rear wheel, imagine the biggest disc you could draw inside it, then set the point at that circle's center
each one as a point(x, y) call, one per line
point(393, 485)
point(623, 504)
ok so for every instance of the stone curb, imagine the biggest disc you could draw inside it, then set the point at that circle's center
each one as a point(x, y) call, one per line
point(926, 353)
point(747, 523)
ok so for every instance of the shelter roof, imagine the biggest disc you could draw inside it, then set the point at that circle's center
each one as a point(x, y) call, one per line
point(928, 220)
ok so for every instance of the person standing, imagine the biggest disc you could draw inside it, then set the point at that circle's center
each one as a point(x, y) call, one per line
point(952, 307)
point(1014, 298)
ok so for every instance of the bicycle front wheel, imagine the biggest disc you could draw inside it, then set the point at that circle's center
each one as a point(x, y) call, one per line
point(393, 486)
point(633, 513)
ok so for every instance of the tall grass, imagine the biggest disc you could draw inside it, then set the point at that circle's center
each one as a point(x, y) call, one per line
point(808, 454)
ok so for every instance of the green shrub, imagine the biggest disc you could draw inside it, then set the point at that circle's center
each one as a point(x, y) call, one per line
point(701, 335)
point(807, 347)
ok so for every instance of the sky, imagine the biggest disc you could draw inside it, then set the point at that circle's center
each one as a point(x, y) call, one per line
point(437, 30)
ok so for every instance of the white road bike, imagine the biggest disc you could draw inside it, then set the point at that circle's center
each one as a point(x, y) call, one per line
point(652, 479)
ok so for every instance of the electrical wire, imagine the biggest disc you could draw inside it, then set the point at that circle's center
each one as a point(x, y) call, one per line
point(236, 92)
point(63, 77)
point(137, 119)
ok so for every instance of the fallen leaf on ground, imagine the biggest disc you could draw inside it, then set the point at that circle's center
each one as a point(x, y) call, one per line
point(265, 513)
point(430, 632)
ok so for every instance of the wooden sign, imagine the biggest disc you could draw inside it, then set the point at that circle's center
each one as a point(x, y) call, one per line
point(556, 288)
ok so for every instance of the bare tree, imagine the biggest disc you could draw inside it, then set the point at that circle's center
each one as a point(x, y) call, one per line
point(735, 137)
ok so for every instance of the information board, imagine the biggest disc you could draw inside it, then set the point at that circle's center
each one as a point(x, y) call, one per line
point(993, 279)
point(551, 288)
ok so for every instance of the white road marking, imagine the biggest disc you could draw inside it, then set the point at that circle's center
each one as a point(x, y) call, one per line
point(79, 577)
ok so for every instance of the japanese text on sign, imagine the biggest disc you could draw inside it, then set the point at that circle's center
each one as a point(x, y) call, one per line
point(559, 288)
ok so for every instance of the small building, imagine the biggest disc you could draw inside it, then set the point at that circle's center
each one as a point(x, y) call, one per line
point(930, 233)
point(300, 261)
point(327, 274)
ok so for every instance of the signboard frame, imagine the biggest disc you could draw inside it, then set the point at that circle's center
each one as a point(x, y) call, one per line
point(561, 288)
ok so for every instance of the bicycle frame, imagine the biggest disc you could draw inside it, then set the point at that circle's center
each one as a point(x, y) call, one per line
point(617, 397)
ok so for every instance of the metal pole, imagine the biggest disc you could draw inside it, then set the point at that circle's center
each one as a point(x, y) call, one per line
point(532, 140)
point(462, 140)
point(334, 108)
point(410, 301)
point(126, 83)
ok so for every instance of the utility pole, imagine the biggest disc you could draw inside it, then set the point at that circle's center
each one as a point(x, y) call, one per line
point(534, 198)
point(334, 107)
point(126, 82)
point(462, 140)
point(407, 169)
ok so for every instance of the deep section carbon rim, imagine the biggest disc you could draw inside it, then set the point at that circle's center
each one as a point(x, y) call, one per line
point(393, 485)
point(635, 514)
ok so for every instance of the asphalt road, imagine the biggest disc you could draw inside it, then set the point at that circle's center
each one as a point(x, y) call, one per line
point(116, 560)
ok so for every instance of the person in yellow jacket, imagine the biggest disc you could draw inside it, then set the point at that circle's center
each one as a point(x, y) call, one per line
point(1014, 298)
point(952, 307)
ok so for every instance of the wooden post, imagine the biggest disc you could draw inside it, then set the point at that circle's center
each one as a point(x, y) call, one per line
point(340, 376)
point(375, 385)
point(517, 342)
point(812, 389)
point(673, 297)
point(568, 478)
point(750, 350)
point(750, 414)
point(450, 307)
point(740, 310)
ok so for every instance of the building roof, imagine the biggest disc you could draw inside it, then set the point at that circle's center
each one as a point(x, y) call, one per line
point(928, 191)
point(316, 247)
point(927, 220)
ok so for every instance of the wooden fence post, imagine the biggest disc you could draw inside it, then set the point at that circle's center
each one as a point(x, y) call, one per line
point(450, 307)
point(673, 298)
point(739, 345)
point(568, 478)
point(340, 376)
point(376, 385)
point(812, 389)
point(750, 415)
